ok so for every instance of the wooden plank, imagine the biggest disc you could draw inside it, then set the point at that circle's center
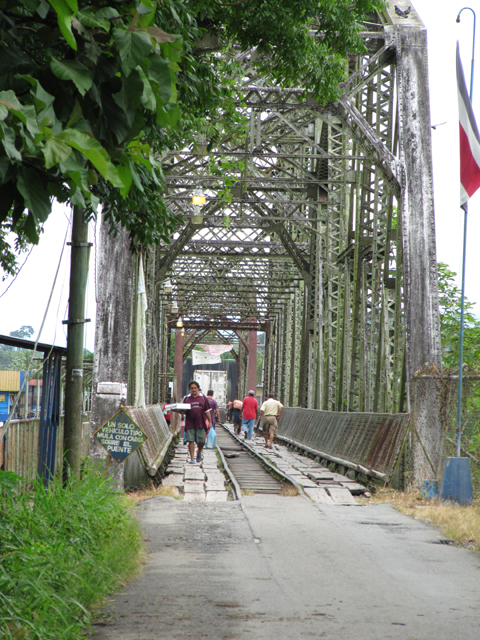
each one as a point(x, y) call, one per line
point(194, 497)
point(194, 486)
point(319, 495)
point(216, 496)
point(340, 495)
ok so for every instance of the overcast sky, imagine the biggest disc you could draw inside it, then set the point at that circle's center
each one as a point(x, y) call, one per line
point(25, 301)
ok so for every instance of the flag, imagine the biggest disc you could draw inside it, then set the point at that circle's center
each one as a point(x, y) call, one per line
point(140, 338)
point(216, 349)
point(200, 357)
point(469, 140)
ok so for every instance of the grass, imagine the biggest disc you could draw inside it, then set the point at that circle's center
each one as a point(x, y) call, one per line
point(289, 491)
point(461, 524)
point(62, 550)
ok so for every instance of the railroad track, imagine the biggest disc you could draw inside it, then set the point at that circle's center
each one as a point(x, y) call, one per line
point(248, 471)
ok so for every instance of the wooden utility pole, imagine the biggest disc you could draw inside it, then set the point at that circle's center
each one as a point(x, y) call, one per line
point(74, 370)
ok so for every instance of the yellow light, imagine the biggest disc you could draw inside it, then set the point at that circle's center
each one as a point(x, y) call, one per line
point(198, 198)
point(179, 323)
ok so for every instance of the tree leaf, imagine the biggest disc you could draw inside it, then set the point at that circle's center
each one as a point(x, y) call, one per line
point(36, 197)
point(13, 60)
point(126, 178)
point(93, 151)
point(4, 166)
point(25, 114)
point(75, 115)
point(159, 35)
point(159, 71)
point(146, 6)
point(73, 5)
point(7, 136)
point(148, 97)
point(55, 151)
point(65, 18)
point(133, 47)
point(91, 21)
point(72, 70)
point(129, 97)
point(89, 147)
point(30, 228)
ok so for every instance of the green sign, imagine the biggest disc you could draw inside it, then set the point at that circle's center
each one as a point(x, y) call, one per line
point(120, 436)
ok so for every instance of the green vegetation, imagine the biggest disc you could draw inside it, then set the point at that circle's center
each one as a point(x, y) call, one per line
point(14, 358)
point(92, 93)
point(62, 550)
point(449, 304)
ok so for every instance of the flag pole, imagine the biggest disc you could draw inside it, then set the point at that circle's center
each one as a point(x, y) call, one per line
point(462, 307)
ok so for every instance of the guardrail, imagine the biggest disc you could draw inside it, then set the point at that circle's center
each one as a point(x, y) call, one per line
point(369, 443)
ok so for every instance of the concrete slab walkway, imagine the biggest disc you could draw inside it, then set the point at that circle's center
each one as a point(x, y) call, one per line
point(283, 568)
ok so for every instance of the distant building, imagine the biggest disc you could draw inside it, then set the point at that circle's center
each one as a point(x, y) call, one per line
point(10, 384)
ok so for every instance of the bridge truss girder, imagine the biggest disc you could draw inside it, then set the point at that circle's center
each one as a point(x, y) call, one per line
point(327, 244)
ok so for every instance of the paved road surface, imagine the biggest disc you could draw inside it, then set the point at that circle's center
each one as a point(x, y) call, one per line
point(285, 568)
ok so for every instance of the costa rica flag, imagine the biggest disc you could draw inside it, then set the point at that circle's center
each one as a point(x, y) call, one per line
point(469, 140)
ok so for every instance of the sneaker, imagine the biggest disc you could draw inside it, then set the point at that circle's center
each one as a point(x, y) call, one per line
point(192, 461)
point(199, 459)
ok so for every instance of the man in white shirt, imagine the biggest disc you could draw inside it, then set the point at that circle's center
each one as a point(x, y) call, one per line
point(270, 412)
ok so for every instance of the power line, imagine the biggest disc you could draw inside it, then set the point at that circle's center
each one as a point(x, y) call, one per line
point(25, 378)
point(18, 272)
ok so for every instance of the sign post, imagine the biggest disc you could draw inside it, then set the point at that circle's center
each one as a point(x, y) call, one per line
point(120, 436)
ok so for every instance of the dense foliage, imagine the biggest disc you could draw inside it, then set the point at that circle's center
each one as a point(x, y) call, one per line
point(449, 306)
point(61, 550)
point(92, 92)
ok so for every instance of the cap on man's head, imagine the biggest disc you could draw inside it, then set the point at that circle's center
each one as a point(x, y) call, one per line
point(251, 393)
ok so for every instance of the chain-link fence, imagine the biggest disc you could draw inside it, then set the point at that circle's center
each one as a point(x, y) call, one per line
point(437, 392)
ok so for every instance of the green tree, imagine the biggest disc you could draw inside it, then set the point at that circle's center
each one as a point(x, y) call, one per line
point(91, 93)
point(25, 332)
point(450, 307)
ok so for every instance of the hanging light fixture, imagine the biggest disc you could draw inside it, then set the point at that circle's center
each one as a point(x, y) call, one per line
point(180, 322)
point(174, 307)
point(168, 287)
point(198, 200)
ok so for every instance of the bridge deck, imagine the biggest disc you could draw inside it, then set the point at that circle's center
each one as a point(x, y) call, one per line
point(284, 567)
point(280, 567)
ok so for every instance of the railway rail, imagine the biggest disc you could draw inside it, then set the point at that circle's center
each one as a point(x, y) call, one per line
point(246, 469)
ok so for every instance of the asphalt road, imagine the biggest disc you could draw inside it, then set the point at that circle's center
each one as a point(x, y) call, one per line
point(284, 568)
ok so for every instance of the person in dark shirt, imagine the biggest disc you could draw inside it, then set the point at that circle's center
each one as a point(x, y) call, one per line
point(237, 420)
point(196, 421)
point(214, 410)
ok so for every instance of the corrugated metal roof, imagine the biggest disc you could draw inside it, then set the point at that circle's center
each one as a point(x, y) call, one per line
point(9, 380)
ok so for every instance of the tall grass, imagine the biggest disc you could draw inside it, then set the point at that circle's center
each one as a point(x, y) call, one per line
point(62, 549)
point(461, 524)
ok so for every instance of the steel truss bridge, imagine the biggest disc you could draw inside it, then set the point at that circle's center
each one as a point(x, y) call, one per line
point(327, 244)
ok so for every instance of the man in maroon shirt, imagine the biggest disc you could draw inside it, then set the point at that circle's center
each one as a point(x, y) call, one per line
point(196, 421)
point(249, 414)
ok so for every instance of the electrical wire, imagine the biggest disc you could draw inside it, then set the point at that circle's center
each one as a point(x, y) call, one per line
point(22, 388)
point(18, 272)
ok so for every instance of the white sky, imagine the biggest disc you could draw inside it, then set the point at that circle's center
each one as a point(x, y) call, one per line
point(25, 302)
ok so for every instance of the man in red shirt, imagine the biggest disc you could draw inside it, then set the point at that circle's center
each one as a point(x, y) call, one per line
point(249, 414)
